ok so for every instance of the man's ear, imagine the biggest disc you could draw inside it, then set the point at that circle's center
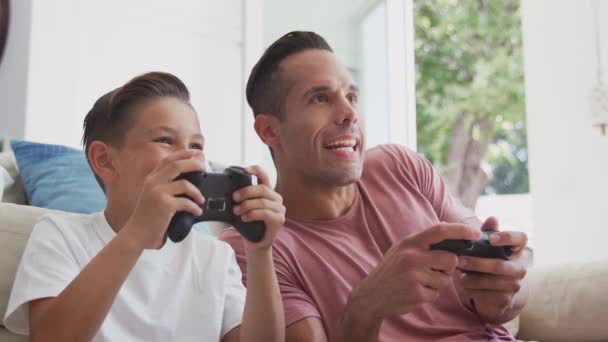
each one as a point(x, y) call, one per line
point(266, 126)
point(101, 160)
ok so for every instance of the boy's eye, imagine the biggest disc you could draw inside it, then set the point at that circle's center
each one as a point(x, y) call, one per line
point(320, 98)
point(164, 140)
point(196, 147)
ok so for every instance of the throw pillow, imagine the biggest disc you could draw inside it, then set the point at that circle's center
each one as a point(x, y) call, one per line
point(57, 177)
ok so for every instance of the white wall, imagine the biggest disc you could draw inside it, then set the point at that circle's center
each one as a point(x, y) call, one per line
point(337, 21)
point(374, 75)
point(568, 157)
point(13, 71)
point(76, 51)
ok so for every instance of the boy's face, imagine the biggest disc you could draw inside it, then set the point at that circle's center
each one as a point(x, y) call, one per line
point(160, 127)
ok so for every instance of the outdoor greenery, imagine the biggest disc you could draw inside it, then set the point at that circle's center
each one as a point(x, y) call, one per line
point(470, 94)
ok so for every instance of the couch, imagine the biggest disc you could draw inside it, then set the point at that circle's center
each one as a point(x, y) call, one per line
point(567, 302)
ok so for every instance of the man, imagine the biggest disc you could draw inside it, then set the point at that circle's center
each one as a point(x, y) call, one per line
point(353, 260)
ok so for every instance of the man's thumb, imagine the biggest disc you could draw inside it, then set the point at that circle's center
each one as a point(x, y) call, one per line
point(491, 223)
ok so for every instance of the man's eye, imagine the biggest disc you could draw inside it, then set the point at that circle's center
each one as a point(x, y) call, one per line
point(196, 147)
point(320, 98)
point(164, 140)
point(352, 98)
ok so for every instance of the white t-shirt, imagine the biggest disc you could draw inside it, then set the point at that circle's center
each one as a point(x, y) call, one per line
point(189, 291)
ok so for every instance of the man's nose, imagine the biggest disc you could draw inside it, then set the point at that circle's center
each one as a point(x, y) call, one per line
point(346, 112)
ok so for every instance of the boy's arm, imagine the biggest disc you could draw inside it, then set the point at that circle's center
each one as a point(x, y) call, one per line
point(263, 318)
point(77, 313)
point(79, 310)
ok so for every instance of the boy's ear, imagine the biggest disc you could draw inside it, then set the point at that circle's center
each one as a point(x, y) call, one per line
point(100, 159)
point(266, 126)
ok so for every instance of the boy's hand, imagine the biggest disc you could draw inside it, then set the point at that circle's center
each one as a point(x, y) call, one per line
point(158, 201)
point(260, 203)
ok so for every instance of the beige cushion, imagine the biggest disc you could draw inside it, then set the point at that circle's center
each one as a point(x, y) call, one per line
point(16, 223)
point(567, 303)
point(7, 336)
point(14, 193)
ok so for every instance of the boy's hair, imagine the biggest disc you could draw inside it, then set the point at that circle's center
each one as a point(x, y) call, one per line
point(266, 89)
point(111, 116)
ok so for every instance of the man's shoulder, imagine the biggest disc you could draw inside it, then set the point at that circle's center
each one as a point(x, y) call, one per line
point(388, 154)
point(390, 160)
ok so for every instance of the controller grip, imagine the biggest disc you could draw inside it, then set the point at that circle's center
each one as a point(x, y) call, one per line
point(180, 226)
point(252, 231)
point(454, 246)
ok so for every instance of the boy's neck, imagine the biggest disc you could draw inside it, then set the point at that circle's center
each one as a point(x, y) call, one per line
point(117, 215)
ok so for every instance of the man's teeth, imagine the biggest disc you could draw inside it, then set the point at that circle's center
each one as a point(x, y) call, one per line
point(346, 149)
point(341, 144)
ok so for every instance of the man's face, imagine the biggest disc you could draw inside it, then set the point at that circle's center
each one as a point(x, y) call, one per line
point(160, 127)
point(320, 134)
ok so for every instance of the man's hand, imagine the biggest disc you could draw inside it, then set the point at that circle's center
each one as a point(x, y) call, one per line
point(495, 290)
point(158, 201)
point(260, 203)
point(410, 273)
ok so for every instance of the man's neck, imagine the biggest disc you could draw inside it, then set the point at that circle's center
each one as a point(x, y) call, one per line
point(304, 200)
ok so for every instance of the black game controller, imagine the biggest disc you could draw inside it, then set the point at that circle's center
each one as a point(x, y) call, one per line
point(217, 188)
point(480, 248)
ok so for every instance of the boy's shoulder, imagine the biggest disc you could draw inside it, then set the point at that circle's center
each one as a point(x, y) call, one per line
point(66, 224)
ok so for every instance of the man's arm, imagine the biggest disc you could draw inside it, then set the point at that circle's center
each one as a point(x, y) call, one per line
point(410, 274)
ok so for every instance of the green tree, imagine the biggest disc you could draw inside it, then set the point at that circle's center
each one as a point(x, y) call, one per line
point(470, 94)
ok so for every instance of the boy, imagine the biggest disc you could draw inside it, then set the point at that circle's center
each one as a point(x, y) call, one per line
point(113, 275)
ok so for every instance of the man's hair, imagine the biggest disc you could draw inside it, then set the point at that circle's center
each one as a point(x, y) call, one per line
point(266, 89)
point(111, 116)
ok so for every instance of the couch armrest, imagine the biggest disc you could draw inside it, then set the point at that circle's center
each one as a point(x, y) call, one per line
point(16, 223)
point(566, 303)
point(14, 193)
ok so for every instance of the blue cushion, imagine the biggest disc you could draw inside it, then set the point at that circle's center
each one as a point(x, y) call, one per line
point(57, 177)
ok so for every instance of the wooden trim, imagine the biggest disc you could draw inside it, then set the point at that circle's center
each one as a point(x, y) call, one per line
point(4, 20)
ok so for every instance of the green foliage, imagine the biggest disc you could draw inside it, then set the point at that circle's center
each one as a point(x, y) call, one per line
point(469, 60)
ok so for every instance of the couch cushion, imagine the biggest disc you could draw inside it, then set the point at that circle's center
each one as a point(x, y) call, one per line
point(566, 303)
point(15, 192)
point(16, 223)
point(57, 177)
point(5, 181)
point(7, 336)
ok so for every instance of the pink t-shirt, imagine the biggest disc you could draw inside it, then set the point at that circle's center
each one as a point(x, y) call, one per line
point(319, 262)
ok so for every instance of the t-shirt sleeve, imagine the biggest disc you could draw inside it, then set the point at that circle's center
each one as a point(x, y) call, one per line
point(447, 207)
point(46, 268)
point(297, 304)
point(234, 303)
